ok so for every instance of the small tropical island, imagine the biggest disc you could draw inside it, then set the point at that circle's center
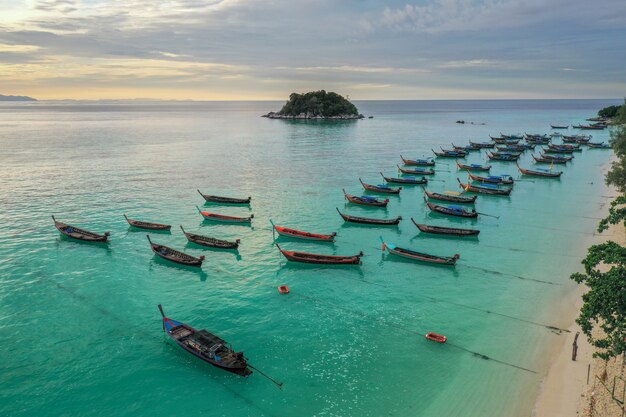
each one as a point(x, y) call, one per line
point(16, 98)
point(317, 105)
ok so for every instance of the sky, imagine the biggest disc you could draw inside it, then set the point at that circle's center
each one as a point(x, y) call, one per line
point(266, 49)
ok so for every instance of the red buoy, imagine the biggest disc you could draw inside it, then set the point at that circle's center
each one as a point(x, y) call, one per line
point(439, 338)
point(283, 289)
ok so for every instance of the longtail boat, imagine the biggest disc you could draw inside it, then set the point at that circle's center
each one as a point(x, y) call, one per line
point(515, 148)
point(552, 157)
point(365, 200)
point(451, 198)
point(314, 258)
point(516, 136)
point(575, 147)
point(406, 180)
point(210, 241)
point(420, 256)
point(537, 141)
point(214, 217)
point(540, 172)
point(466, 148)
point(224, 200)
point(368, 220)
point(505, 141)
point(543, 160)
point(473, 167)
point(418, 162)
point(557, 150)
point(495, 156)
point(590, 127)
point(147, 225)
point(380, 188)
point(439, 338)
point(206, 346)
point(299, 234)
point(450, 154)
point(440, 230)
point(488, 189)
point(451, 210)
point(493, 179)
point(598, 145)
point(483, 145)
point(78, 233)
point(582, 139)
point(174, 255)
point(418, 171)
point(559, 126)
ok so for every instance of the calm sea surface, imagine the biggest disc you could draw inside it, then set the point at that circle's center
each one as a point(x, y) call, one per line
point(80, 333)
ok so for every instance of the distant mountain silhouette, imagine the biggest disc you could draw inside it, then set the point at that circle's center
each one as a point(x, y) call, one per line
point(16, 98)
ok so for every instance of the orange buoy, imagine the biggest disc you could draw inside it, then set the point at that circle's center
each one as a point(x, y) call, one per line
point(283, 289)
point(439, 338)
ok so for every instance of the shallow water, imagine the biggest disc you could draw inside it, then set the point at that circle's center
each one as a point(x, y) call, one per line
point(80, 331)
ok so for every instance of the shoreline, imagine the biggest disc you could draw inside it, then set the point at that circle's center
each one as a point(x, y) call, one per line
point(566, 387)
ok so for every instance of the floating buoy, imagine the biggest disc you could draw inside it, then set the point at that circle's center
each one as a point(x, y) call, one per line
point(283, 289)
point(439, 338)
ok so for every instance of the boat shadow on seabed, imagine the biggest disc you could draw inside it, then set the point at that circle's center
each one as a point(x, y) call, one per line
point(190, 269)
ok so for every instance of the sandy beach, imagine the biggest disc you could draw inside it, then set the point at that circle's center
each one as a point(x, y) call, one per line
point(569, 387)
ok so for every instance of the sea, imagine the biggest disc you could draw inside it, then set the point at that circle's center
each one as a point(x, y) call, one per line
point(80, 332)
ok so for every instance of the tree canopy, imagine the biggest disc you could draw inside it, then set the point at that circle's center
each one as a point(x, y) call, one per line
point(605, 302)
point(610, 111)
point(318, 103)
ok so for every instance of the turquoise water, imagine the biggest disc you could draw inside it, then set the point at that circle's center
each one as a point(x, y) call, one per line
point(80, 331)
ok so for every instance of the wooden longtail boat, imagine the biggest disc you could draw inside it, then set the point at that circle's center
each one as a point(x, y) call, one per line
point(451, 210)
point(417, 171)
point(543, 160)
point(517, 136)
point(78, 233)
point(147, 225)
point(174, 255)
point(418, 162)
point(406, 180)
point(214, 217)
point(314, 258)
point(466, 148)
point(551, 157)
point(598, 145)
point(590, 127)
point(538, 141)
point(450, 154)
point(299, 234)
point(582, 139)
point(493, 179)
point(502, 156)
point(485, 189)
point(439, 230)
point(420, 256)
point(224, 200)
point(206, 346)
point(515, 148)
point(380, 188)
point(575, 147)
point(503, 141)
point(483, 145)
point(365, 200)
point(540, 173)
point(439, 338)
point(210, 241)
point(557, 150)
point(559, 126)
point(451, 198)
point(368, 220)
point(473, 167)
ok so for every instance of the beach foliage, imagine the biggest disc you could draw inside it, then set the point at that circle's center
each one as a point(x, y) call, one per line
point(318, 103)
point(616, 177)
point(610, 111)
point(605, 303)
